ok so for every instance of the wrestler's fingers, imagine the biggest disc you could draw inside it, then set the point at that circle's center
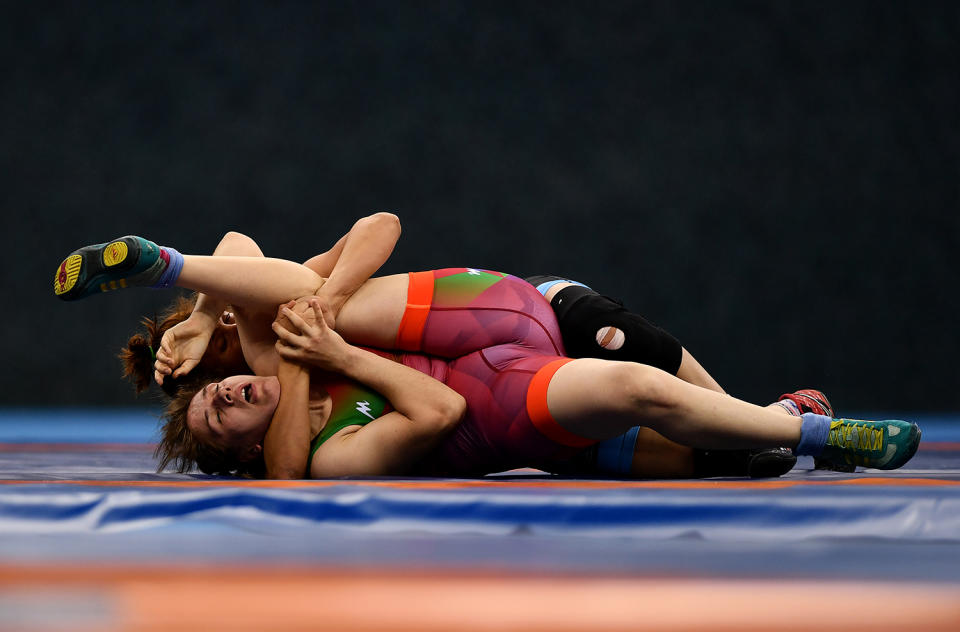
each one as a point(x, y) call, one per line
point(318, 311)
point(185, 367)
point(287, 352)
point(286, 336)
point(163, 356)
point(288, 304)
point(296, 320)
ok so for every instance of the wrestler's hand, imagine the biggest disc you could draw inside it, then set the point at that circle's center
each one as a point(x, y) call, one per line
point(182, 347)
point(301, 307)
point(330, 306)
point(305, 338)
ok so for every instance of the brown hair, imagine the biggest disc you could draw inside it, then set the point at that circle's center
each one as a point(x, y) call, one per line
point(139, 355)
point(179, 446)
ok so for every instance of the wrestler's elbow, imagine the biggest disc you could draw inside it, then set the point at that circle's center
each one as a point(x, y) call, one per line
point(382, 221)
point(237, 244)
point(452, 411)
point(285, 473)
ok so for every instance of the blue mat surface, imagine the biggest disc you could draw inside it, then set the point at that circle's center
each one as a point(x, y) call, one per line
point(80, 486)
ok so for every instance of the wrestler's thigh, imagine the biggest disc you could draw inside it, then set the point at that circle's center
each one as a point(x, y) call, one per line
point(655, 456)
point(599, 399)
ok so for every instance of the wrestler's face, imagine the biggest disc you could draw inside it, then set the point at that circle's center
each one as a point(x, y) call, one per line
point(234, 413)
point(224, 353)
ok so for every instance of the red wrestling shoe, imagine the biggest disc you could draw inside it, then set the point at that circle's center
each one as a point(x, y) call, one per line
point(809, 400)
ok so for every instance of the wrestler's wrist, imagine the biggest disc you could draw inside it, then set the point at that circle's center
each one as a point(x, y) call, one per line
point(205, 319)
point(332, 300)
point(347, 359)
point(209, 306)
point(289, 368)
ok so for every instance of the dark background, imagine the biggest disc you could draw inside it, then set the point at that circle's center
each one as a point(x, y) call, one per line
point(774, 182)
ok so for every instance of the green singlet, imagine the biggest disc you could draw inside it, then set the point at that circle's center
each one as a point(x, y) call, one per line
point(352, 405)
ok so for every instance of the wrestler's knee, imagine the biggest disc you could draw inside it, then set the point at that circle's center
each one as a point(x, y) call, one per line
point(643, 388)
point(595, 326)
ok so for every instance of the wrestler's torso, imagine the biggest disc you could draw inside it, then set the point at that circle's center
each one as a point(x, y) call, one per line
point(496, 332)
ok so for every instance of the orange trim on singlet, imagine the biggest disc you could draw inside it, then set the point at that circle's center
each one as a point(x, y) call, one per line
point(419, 300)
point(540, 414)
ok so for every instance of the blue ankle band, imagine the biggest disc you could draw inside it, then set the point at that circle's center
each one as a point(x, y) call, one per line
point(543, 288)
point(172, 273)
point(813, 434)
point(615, 455)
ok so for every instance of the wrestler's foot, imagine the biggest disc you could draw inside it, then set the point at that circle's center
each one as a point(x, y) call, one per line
point(884, 445)
point(809, 400)
point(768, 463)
point(124, 262)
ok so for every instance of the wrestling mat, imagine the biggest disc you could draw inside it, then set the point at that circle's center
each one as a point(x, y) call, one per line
point(92, 538)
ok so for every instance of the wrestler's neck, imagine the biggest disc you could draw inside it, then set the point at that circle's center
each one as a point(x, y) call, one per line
point(320, 408)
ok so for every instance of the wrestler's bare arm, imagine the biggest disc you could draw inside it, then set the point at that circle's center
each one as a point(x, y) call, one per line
point(184, 344)
point(354, 259)
point(351, 261)
point(424, 408)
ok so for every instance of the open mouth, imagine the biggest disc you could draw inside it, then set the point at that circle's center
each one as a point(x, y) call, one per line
point(247, 392)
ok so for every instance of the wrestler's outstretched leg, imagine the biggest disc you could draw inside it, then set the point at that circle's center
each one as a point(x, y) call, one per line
point(136, 262)
point(596, 326)
point(598, 399)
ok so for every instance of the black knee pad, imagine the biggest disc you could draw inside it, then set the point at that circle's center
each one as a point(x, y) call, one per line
point(595, 326)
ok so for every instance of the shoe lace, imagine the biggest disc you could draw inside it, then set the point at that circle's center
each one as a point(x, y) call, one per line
point(856, 436)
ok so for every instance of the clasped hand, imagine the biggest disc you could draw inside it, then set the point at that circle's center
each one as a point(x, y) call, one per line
point(304, 337)
point(182, 347)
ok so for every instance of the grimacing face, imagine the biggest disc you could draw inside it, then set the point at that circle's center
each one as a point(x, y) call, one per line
point(234, 413)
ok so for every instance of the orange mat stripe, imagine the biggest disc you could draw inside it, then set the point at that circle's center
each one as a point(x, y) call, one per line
point(259, 598)
point(940, 446)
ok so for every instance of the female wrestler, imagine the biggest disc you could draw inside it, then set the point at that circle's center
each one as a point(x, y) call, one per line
point(515, 335)
point(194, 335)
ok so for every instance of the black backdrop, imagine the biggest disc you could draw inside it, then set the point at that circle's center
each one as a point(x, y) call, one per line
point(774, 182)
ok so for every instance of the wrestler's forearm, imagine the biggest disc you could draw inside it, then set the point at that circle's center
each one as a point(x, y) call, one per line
point(286, 447)
point(232, 244)
point(414, 394)
point(425, 412)
point(246, 281)
point(356, 257)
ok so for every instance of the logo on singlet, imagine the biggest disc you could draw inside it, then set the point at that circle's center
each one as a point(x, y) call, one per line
point(364, 408)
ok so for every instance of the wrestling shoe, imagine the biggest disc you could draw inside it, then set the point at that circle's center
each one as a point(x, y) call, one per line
point(771, 463)
point(884, 445)
point(767, 463)
point(809, 400)
point(124, 262)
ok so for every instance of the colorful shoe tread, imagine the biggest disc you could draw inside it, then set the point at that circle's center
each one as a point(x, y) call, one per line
point(123, 262)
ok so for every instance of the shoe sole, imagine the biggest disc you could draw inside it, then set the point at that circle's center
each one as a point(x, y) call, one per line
point(770, 464)
point(76, 274)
